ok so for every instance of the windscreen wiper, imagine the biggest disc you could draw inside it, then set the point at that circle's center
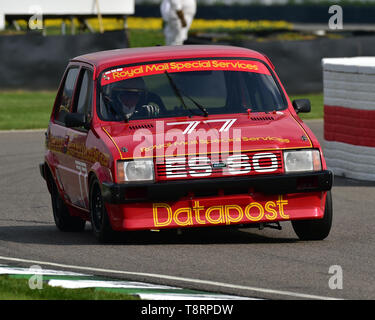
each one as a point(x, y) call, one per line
point(179, 94)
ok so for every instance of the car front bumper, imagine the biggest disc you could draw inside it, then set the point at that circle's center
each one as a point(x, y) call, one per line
point(175, 190)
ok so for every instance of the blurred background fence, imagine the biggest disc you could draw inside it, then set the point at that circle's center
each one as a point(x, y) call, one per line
point(294, 36)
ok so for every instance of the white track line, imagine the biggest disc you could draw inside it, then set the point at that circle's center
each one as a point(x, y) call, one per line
point(189, 280)
point(163, 294)
point(23, 130)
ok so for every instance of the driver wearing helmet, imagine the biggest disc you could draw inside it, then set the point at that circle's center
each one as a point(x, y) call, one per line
point(129, 97)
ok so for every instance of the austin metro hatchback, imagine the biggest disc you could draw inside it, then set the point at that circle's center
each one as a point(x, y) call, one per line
point(182, 137)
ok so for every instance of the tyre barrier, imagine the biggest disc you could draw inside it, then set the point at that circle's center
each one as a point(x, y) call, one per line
point(349, 116)
point(35, 62)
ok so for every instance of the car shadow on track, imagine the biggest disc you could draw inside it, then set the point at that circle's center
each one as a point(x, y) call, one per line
point(201, 236)
point(49, 235)
point(43, 234)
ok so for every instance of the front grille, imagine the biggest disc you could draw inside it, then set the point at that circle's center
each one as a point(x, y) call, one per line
point(195, 167)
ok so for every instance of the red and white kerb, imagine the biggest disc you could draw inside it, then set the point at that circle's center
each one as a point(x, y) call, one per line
point(349, 116)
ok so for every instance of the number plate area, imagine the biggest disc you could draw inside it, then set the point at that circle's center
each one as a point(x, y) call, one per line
point(218, 165)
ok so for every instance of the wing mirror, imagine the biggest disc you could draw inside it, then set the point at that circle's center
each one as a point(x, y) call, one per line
point(75, 120)
point(302, 105)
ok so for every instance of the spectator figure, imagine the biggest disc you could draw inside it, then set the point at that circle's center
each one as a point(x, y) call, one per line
point(177, 18)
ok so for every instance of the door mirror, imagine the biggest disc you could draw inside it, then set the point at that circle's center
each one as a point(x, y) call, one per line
point(74, 120)
point(302, 105)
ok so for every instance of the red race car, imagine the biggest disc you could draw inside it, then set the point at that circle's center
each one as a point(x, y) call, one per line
point(179, 137)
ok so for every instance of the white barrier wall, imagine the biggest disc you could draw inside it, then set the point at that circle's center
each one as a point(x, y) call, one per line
point(349, 116)
point(66, 7)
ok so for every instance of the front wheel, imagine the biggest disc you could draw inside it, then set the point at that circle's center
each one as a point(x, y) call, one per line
point(100, 223)
point(315, 229)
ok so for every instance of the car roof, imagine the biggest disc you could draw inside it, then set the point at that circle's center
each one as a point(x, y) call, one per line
point(105, 59)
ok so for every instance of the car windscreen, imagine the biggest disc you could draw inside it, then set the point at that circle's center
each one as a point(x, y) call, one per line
point(186, 88)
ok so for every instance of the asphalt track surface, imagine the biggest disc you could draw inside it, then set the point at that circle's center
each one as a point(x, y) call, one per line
point(267, 263)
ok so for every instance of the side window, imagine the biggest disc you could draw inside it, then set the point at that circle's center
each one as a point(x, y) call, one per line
point(84, 99)
point(65, 98)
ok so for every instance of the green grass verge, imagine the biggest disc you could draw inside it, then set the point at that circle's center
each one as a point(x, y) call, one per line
point(142, 38)
point(317, 105)
point(18, 289)
point(31, 110)
point(25, 109)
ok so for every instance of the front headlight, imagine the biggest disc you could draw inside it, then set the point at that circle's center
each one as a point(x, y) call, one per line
point(135, 171)
point(302, 160)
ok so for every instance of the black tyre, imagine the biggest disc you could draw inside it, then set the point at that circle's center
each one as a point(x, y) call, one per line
point(315, 229)
point(63, 220)
point(100, 223)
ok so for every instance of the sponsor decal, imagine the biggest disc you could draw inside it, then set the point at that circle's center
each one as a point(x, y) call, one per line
point(164, 215)
point(191, 125)
point(78, 150)
point(124, 73)
point(211, 141)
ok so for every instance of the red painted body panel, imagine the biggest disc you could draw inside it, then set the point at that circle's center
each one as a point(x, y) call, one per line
point(258, 132)
point(228, 210)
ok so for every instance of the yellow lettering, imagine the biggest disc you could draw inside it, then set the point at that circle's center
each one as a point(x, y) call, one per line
point(256, 205)
point(155, 207)
point(206, 64)
point(188, 221)
point(156, 67)
point(163, 214)
point(180, 66)
point(281, 203)
point(197, 209)
point(138, 70)
point(229, 218)
point(268, 206)
point(220, 218)
point(116, 75)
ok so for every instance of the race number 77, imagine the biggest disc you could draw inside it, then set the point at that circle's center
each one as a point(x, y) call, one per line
point(191, 125)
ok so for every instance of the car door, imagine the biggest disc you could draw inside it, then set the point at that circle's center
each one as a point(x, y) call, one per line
point(78, 153)
point(57, 137)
